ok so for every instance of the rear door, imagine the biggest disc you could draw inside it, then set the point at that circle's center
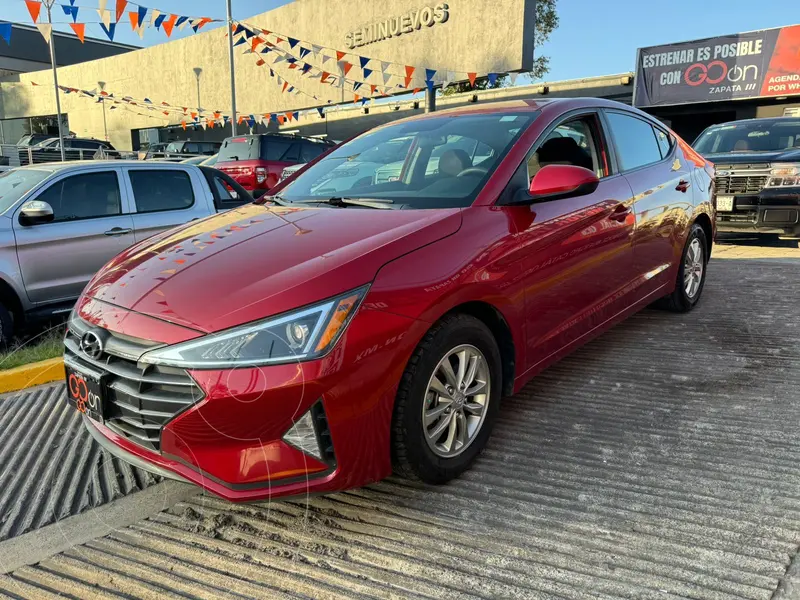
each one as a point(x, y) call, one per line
point(660, 178)
point(162, 198)
point(91, 226)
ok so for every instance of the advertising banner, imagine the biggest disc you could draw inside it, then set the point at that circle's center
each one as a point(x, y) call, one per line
point(732, 67)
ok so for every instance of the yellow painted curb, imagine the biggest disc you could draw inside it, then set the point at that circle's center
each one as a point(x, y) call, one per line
point(33, 374)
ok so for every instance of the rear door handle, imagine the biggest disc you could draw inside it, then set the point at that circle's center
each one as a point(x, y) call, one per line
point(118, 231)
point(683, 186)
point(620, 213)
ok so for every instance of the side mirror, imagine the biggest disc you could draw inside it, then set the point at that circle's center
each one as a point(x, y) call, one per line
point(35, 212)
point(556, 182)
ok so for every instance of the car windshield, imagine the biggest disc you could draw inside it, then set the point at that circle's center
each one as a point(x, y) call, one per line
point(15, 183)
point(750, 136)
point(174, 147)
point(435, 162)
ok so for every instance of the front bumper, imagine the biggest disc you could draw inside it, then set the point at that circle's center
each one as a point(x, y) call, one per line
point(770, 211)
point(232, 441)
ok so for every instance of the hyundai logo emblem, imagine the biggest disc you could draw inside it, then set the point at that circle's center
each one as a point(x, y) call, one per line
point(92, 345)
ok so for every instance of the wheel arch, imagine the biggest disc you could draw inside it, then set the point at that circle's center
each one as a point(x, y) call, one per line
point(704, 221)
point(490, 316)
point(11, 300)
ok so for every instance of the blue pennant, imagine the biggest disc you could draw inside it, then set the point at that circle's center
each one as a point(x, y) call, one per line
point(321, 112)
point(363, 60)
point(5, 32)
point(240, 41)
point(71, 11)
point(293, 42)
point(304, 52)
point(367, 73)
point(357, 85)
point(492, 78)
point(142, 14)
point(248, 33)
point(109, 31)
point(159, 20)
point(429, 73)
point(239, 29)
point(181, 21)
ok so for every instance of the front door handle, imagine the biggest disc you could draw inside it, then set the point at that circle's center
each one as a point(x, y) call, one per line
point(683, 186)
point(620, 213)
point(118, 231)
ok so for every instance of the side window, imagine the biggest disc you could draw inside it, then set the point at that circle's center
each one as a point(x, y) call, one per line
point(635, 141)
point(191, 148)
point(664, 142)
point(85, 145)
point(293, 153)
point(225, 195)
point(274, 149)
point(86, 196)
point(158, 189)
point(310, 151)
point(573, 142)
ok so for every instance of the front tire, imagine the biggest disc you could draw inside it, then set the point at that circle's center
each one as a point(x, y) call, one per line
point(691, 273)
point(447, 401)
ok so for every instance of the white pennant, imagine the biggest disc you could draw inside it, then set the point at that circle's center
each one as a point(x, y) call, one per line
point(184, 24)
point(325, 58)
point(154, 14)
point(386, 77)
point(316, 49)
point(385, 66)
point(105, 17)
point(46, 30)
point(514, 78)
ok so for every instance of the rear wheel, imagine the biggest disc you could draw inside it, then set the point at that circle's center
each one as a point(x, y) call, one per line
point(691, 274)
point(447, 401)
point(6, 327)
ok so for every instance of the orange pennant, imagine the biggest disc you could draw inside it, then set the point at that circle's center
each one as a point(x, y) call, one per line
point(256, 42)
point(134, 17)
point(292, 66)
point(183, 124)
point(285, 85)
point(408, 81)
point(260, 62)
point(340, 55)
point(169, 24)
point(355, 98)
point(288, 116)
point(409, 71)
point(416, 91)
point(372, 88)
point(34, 8)
point(241, 119)
point(166, 112)
point(211, 124)
point(121, 4)
point(80, 31)
point(346, 68)
point(281, 119)
point(472, 77)
point(217, 114)
point(203, 21)
point(34, 83)
point(193, 115)
point(324, 77)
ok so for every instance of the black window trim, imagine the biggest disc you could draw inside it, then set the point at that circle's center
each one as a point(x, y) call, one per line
point(613, 146)
point(39, 193)
point(135, 208)
point(219, 203)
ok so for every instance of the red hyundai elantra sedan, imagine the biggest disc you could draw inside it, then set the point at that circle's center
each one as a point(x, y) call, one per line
point(372, 313)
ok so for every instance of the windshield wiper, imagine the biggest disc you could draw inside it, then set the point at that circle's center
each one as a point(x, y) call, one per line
point(343, 202)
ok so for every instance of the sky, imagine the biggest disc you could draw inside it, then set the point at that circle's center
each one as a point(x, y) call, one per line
point(595, 37)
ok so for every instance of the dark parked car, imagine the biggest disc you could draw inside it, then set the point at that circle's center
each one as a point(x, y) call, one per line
point(310, 342)
point(257, 161)
point(757, 174)
point(32, 139)
point(74, 149)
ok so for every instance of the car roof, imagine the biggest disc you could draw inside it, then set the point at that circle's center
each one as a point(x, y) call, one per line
point(286, 136)
point(57, 167)
point(756, 120)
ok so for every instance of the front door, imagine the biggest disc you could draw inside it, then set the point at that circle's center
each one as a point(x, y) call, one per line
point(576, 252)
point(57, 259)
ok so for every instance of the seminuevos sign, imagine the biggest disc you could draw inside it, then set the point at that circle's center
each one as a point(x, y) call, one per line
point(427, 16)
point(746, 65)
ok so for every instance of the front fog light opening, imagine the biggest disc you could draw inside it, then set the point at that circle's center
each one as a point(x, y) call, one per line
point(310, 435)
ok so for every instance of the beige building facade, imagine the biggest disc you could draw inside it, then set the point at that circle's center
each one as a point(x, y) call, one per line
point(453, 38)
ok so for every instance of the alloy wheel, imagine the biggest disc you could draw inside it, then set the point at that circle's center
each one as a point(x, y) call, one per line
point(456, 401)
point(693, 265)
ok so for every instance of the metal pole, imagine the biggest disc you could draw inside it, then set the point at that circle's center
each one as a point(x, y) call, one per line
point(430, 100)
point(233, 74)
point(102, 85)
point(49, 5)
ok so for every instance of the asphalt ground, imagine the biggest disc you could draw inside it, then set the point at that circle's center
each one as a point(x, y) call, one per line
point(660, 461)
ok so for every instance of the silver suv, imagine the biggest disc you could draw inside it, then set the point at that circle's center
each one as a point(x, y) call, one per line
point(61, 222)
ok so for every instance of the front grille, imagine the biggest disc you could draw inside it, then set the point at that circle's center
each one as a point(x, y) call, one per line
point(139, 401)
point(741, 184)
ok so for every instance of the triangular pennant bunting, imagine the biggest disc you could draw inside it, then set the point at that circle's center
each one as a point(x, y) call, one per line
point(514, 78)
point(429, 74)
point(472, 77)
point(46, 30)
point(181, 22)
point(34, 8)
point(134, 17)
point(5, 32)
point(109, 29)
point(367, 73)
point(363, 61)
point(492, 77)
point(79, 29)
point(169, 24)
point(71, 11)
point(293, 42)
point(304, 52)
point(142, 12)
point(155, 18)
point(121, 4)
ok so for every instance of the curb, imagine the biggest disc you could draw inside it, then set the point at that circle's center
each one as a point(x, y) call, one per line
point(30, 375)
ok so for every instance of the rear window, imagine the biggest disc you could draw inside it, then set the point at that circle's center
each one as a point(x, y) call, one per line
point(239, 148)
point(750, 136)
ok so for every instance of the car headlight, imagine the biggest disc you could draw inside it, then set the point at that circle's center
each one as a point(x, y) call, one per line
point(303, 334)
point(784, 175)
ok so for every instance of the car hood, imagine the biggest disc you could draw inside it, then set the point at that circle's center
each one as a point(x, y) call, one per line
point(738, 158)
point(257, 261)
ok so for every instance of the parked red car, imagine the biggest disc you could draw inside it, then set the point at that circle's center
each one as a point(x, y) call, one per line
point(257, 161)
point(311, 343)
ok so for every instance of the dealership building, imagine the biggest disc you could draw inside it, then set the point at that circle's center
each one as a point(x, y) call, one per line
point(359, 66)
